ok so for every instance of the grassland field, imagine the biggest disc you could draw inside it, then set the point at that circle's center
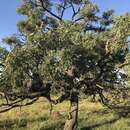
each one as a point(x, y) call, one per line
point(92, 116)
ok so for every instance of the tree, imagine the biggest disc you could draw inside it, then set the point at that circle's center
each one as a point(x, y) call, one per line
point(79, 54)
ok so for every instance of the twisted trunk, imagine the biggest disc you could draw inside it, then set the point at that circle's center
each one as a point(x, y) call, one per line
point(71, 123)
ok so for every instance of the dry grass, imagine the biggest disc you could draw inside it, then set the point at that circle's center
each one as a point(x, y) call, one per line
point(92, 116)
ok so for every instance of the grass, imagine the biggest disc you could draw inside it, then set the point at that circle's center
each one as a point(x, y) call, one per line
point(92, 116)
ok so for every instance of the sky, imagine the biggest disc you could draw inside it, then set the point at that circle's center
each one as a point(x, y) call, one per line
point(9, 17)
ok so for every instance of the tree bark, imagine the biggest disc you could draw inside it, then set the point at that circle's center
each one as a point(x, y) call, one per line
point(71, 123)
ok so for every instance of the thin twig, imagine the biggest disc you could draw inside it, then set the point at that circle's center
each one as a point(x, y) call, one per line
point(54, 15)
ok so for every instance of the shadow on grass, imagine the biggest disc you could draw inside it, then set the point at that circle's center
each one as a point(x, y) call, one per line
point(19, 123)
point(8, 124)
point(100, 124)
point(57, 126)
point(120, 111)
point(22, 124)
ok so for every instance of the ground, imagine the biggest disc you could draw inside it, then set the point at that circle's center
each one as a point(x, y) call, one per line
point(92, 116)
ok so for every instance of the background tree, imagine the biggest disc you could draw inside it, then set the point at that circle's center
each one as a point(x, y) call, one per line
point(81, 54)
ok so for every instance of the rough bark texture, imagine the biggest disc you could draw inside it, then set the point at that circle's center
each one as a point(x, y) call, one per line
point(71, 123)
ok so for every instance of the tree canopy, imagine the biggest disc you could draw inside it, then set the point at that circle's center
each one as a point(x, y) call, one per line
point(83, 53)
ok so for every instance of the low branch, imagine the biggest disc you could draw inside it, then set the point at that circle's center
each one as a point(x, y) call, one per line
point(18, 105)
point(10, 104)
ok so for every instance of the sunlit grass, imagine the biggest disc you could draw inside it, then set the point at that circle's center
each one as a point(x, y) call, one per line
point(92, 116)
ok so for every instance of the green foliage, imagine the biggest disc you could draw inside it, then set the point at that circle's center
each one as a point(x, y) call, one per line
point(12, 40)
point(89, 11)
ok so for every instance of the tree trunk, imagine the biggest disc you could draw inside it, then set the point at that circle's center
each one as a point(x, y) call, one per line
point(71, 123)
